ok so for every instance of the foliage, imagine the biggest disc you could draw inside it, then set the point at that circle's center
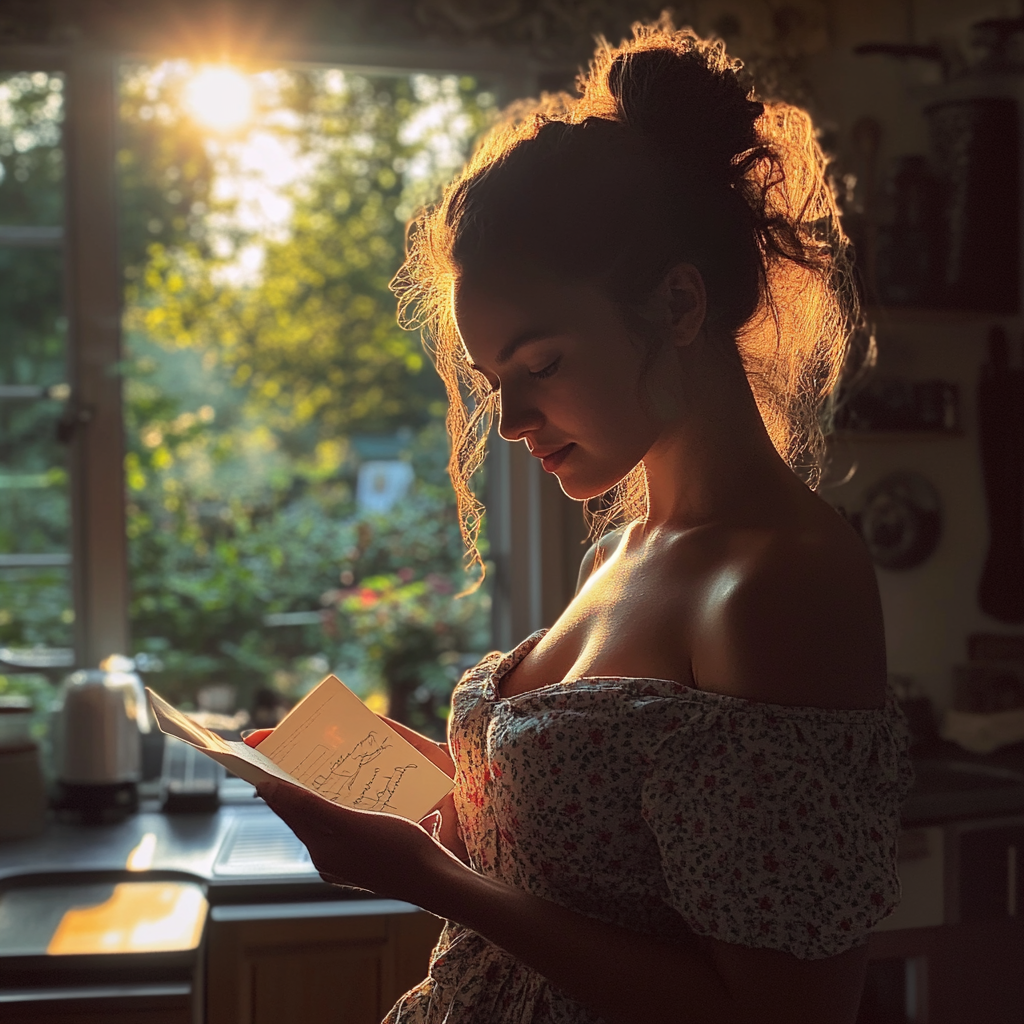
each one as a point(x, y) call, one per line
point(31, 158)
point(415, 636)
point(41, 693)
point(255, 353)
point(242, 398)
point(35, 605)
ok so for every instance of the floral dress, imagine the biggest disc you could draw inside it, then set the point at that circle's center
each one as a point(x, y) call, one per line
point(669, 810)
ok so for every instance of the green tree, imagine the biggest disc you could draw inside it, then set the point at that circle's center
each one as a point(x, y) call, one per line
point(243, 395)
point(35, 604)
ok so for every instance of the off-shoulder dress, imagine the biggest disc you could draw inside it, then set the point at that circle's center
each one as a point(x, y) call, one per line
point(666, 809)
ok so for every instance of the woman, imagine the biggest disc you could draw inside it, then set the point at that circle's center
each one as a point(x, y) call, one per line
point(680, 802)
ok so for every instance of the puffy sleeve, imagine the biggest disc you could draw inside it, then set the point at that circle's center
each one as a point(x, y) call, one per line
point(777, 826)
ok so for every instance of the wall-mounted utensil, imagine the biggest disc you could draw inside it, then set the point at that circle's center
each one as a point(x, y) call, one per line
point(1001, 432)
point(975, 146)
point(867, 140)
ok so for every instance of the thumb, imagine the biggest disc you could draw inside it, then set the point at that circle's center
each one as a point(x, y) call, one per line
point(432, 824)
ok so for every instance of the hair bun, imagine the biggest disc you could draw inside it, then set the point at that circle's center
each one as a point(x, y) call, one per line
point(689, 102)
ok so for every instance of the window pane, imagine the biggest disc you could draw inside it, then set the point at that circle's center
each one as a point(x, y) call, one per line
point(32, 342)
point(34, 514)
point(35, 576)
point(31, 158)
point(289, 511)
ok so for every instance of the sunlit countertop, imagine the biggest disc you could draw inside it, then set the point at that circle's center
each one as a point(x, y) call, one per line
point(240, 851)
point(105, 909)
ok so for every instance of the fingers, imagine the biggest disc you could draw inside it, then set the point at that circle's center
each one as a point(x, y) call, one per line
point(254, 737)
point(301, 809)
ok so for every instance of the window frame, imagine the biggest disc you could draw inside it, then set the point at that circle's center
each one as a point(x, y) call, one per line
point(534, 531)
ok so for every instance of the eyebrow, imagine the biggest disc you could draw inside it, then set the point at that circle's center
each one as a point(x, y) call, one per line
point(524, 338)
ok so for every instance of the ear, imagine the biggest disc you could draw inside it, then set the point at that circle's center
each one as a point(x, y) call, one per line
point(685, 301)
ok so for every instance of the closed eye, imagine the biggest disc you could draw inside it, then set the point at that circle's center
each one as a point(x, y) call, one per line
point(548, 370)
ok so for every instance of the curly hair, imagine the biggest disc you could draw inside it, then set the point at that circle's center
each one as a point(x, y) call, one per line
point(665, 157)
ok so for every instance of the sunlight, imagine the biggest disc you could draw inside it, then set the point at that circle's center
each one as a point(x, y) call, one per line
point(220, 98)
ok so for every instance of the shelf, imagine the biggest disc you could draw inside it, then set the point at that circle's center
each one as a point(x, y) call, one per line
point(916, 315)
point(896, 435)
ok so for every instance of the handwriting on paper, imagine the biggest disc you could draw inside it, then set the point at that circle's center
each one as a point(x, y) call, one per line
point(332, 744)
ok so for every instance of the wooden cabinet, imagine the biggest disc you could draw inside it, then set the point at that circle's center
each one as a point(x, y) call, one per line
point(343, 962)
point(953, 953)
point(100, 1004)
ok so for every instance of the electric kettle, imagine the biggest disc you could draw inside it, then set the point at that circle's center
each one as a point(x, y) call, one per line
point(98, 744)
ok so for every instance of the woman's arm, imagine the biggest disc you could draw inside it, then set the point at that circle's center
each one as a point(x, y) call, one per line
point(626, 977)
point(622, 975)
point(630, 978)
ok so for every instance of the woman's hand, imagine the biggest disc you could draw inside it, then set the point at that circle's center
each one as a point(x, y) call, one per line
point(443, 824)
point(436, 753)
point(443, 821)
point(383, 853)
point(254, 737)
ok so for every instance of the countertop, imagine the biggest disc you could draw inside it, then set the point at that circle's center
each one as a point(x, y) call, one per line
point(243, 852)
point(241, 859)
point(250, 866)
point(240, 852)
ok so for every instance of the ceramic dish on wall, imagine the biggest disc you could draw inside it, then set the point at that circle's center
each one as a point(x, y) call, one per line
point(901, 521)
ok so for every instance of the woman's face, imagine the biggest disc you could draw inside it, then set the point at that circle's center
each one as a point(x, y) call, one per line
point(568, 374)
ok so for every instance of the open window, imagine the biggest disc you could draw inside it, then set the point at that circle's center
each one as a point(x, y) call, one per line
point(220, 454)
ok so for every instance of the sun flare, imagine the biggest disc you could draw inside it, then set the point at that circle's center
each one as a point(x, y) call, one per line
point(220, 98)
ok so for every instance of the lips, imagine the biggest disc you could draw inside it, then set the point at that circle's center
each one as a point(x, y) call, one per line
point(554, 458)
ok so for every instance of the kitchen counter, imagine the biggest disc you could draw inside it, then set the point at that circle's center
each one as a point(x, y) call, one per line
point(90, 915)
point(240, 852)
point(243, 852)
point(267, 904)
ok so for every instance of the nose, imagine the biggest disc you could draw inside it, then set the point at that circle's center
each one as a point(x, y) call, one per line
point(516, 417)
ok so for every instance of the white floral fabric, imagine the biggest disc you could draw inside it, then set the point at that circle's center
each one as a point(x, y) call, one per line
point(669, 810)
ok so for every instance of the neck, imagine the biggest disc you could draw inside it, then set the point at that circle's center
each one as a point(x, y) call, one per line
point(714, 462)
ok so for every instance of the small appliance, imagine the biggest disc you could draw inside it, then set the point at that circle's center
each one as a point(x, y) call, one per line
point(98, 744)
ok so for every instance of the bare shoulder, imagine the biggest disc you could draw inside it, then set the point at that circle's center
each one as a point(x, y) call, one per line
point(598, 552)
point(791, 615)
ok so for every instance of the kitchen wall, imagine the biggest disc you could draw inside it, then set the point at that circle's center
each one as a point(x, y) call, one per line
point(929, 610)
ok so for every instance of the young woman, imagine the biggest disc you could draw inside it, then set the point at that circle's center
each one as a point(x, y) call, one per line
point(680, 802)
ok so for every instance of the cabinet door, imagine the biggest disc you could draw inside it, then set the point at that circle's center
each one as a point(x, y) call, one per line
point(336, 982)
point(331, 970)
point(991, 862)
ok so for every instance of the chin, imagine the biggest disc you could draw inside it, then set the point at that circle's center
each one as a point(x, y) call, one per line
point(583, 490)
point(575, 492)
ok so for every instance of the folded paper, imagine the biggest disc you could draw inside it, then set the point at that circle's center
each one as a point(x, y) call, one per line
point(330, 743)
